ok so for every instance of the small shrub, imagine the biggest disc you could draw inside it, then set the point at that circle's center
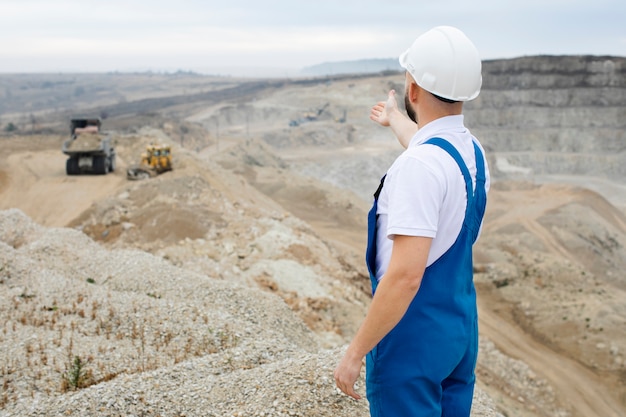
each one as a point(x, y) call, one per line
point(77, 375)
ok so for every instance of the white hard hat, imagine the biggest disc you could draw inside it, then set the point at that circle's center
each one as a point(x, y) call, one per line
point(443, 61)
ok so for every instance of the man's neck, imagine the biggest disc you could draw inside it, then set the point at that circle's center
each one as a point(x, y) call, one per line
point(427, 114)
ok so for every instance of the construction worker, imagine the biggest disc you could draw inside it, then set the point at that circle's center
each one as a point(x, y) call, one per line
point(420, 335)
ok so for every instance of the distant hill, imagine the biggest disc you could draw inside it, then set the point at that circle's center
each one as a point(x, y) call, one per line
point(353, 67)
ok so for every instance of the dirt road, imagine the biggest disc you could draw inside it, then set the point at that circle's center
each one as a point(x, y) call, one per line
point(36, 183)
point(576, 387)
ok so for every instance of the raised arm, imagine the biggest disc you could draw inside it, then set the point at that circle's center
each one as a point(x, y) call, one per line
point(389, 115)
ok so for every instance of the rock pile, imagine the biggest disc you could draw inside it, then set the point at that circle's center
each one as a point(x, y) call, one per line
point(92, 331)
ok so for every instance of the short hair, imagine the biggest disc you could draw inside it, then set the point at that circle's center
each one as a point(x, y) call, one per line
point(445, 100)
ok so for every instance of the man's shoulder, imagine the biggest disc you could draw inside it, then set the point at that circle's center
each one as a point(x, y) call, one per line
point(422, 164)
point(426, 152)
point(425, 157)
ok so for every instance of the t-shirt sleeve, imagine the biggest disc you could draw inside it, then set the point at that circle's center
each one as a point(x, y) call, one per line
point(416, 196)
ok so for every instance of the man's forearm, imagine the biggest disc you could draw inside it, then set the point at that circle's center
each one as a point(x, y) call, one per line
point(403, 127)
point(394, 293)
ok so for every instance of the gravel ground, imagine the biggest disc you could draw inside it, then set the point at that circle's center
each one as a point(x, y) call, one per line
point(90, 331)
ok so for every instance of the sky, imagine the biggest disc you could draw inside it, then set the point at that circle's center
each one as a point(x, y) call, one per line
point(257, 37)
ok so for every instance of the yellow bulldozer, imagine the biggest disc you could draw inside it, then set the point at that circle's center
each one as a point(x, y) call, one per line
point(156, 160)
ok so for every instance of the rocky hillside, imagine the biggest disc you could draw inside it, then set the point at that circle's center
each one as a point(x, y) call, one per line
point(188, 294)
point(554, 115)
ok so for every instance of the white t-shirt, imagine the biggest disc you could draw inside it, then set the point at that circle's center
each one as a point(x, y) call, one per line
point(424, 191)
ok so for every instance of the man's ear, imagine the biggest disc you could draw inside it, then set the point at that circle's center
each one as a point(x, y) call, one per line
point(414, 91)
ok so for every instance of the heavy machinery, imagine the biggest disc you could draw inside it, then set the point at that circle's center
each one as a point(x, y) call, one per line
point(90, 151)
point(156, 160)
point(309, 117)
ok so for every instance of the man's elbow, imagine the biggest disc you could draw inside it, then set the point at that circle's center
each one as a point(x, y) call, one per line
point(411, 280)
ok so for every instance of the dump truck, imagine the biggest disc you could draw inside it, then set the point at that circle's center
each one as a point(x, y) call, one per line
point(90, 150)
point(156, 160)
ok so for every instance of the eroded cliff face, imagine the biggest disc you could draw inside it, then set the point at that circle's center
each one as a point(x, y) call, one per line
point(553, 115)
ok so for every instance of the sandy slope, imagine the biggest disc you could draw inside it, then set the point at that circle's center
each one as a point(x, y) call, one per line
point(583, 391)
point(550, 239)
point(34, 181)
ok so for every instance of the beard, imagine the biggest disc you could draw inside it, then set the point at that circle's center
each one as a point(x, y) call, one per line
point(409, 110)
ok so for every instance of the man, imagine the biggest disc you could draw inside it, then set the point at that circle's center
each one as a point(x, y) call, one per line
point(420, 334)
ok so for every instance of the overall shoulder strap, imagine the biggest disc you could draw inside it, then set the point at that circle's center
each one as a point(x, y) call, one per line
point(380, 187)
point(451, 150)
point(476, 200)
point(480, 195)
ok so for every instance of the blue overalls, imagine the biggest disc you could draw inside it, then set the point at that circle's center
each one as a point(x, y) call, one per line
point(425, 365)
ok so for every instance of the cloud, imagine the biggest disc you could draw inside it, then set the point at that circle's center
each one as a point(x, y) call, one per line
point(35, 34)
